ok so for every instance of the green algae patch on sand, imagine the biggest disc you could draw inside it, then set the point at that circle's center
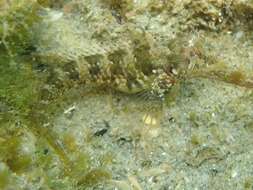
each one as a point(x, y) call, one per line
point(94, 177)
point(17, 24)
point(18, 84)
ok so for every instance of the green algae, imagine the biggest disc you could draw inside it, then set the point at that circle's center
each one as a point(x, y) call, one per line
point(16, 27)
point(4, 177)
point(23, 96)
point(248, 184)
point(18, 84)
point(94, 177)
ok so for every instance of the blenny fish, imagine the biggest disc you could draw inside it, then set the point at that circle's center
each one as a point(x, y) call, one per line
point(152, 84)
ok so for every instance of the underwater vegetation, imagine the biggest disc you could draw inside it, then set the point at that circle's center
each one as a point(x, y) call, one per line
point(31, 94)
point(51, 55)
point(17, 20)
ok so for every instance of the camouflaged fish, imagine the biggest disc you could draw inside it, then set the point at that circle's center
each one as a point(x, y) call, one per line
point(147, 81)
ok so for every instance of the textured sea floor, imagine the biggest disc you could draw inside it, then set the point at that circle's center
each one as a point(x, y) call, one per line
point(200, 142)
